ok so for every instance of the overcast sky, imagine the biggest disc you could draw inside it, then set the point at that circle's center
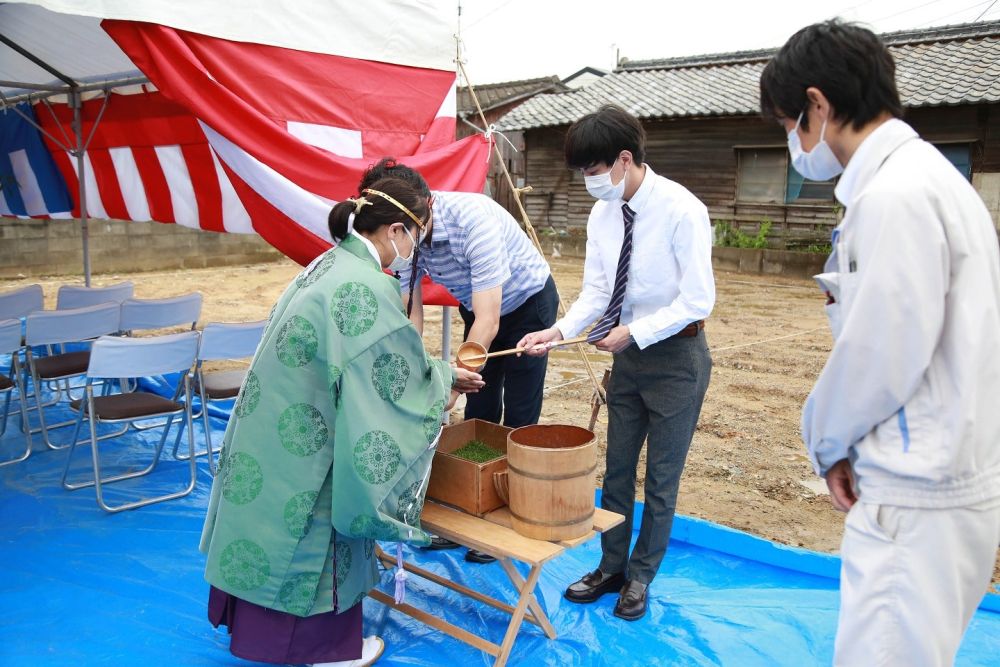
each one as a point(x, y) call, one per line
point(519, 39)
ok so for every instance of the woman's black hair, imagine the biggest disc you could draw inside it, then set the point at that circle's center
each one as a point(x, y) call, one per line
point(380, 211)
point(389, 167)
point(850, 64)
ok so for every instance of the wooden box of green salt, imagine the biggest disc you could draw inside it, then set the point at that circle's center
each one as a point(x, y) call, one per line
point(467, 456)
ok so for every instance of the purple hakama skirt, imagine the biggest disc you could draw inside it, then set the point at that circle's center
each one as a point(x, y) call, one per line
point(268, 635)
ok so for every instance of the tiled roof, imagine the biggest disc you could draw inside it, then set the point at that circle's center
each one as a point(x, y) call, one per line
point(496, 94)
point(941, 66)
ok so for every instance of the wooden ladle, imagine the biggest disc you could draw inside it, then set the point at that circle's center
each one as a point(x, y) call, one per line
point(472, 356)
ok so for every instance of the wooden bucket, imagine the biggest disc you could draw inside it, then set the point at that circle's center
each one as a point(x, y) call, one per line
point(551, 475)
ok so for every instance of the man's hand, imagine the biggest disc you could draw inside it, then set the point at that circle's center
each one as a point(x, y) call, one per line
point(617, 340)
point(467, 382)
point(840, 481)
point(535, 339)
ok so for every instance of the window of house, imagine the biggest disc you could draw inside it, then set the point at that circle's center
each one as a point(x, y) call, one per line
point(798, 188)
point(767, 176)
point(959, 155)
point(761, 175)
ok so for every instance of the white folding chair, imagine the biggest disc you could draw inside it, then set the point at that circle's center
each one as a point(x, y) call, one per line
point(116, 357)
point(10, 343)
point(17, 304)
point(139, 314)
point(144, 314)
point(70, 297)
point(58, 327)
point(78, 296)
point(220, 342)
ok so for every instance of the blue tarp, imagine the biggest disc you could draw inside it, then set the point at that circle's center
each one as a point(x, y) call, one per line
point(82, 587)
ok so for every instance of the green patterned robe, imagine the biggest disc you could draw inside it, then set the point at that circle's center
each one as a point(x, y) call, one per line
point(329, 442)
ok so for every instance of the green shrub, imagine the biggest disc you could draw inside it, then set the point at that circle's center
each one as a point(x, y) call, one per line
point(728, 236)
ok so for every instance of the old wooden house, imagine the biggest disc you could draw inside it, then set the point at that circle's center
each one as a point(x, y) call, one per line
point(704, 130)
point(496, 100)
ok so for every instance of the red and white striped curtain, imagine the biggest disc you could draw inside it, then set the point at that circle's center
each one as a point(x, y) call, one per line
point(233, 135)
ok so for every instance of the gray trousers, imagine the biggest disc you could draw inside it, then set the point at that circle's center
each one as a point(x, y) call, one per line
point(656, 393)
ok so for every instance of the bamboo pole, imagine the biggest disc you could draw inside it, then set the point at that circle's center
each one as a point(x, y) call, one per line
point(528, 227)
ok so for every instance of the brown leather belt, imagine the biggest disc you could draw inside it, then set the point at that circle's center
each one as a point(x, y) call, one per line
point(690, 330)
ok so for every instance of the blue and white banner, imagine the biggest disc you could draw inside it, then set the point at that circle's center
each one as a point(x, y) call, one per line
point(30, 183)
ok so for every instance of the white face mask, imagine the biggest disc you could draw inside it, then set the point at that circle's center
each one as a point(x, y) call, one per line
point(400, 263)
point(600, 186)
point(819, 164)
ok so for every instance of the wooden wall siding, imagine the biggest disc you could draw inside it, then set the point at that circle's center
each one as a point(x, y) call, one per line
point(700, 154)
point(980, 123)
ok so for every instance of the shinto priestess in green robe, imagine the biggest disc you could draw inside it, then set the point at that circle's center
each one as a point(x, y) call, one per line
point(329, 443)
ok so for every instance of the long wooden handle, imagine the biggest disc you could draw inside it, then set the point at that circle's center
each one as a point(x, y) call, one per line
point(518, 350)
point(568, 341)
point(500, 353)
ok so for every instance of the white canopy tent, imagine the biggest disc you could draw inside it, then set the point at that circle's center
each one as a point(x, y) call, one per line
point(50, 54)
point(57, 51)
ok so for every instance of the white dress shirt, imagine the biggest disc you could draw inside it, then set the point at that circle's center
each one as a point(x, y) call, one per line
point(670, 281)
point(909, 392)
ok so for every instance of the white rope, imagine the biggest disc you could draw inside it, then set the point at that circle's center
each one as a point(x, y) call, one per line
point(565, 384)
point(488, 135)
point(712, 351)
point(756, 284)
point(767, 340)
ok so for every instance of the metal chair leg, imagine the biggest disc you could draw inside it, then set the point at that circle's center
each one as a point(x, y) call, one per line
point(25, 426)
point(44, 428)
point(107, 480)
point(186, 422)
point(208, 432)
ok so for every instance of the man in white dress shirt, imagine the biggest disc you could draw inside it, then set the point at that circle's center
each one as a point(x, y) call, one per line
point(903, 417)
point(647, 286)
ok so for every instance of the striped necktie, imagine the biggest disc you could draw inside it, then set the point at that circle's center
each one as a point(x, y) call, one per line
point(609, 320)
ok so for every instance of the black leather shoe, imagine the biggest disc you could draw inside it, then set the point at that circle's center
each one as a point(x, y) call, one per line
point(438, 543)
point(474, 556)
point(593, 585)
point(632, 601)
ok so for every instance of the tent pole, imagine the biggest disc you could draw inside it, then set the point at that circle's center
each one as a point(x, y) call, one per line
point(77, 104)
point(446, 333)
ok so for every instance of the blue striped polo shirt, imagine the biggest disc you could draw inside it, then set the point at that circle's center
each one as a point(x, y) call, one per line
point(476, 245)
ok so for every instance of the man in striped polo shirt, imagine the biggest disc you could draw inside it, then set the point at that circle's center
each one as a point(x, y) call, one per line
point(477, 251)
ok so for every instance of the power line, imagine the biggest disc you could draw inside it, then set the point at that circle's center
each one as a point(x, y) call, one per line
point(488, 14)
point(985, 11)
point(960, 11)
point(905, 11)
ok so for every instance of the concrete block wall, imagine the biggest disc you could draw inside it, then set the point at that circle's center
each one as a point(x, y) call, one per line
point(741, 260)
point(55, 247)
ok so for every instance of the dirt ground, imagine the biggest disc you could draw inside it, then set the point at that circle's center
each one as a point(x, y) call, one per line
point(747, 466)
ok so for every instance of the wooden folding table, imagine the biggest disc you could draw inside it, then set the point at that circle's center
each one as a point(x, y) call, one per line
point(493, 535)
